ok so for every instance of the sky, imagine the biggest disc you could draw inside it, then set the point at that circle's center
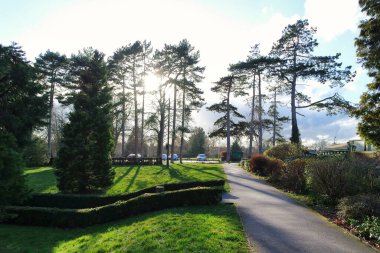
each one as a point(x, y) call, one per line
point(222, 30)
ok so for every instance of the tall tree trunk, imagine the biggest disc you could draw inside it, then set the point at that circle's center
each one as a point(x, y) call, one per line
point(162, 124)
point(182, 123)
point(174, 121)
point(123, 123)
point(51, 104)
point(274, 117)
point(136, 114)
point(251, 128)
point(142, 123)
point(167, 148)
point(295, 132)
point(260, 117)
point(228, 158)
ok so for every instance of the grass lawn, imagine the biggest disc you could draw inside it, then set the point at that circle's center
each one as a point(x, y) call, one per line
point(192, 229)
point(129, 179)
point(188, 229)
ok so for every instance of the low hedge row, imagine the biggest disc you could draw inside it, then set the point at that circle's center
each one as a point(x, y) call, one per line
point(69, 218)
point(80, 201)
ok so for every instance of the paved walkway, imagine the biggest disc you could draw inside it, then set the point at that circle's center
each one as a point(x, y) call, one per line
point(274, 223)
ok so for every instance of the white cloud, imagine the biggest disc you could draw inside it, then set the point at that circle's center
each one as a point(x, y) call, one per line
point(332, 18)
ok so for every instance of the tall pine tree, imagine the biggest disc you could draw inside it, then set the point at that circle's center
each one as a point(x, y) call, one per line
point(368, 51)
point(84, 159)
point(295, 50)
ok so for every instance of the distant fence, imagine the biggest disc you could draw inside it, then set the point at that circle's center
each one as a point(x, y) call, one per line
point(137, 161)
point(209, 160)
point(127, 161)
point(333, 152)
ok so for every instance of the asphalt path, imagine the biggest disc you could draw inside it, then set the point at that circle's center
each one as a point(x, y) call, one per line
point(275, 223)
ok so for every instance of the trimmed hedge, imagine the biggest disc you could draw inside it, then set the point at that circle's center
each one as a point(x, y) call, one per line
point(80, 201)
point(69, 218)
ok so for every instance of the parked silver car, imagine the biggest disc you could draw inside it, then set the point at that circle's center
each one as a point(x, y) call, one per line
point(201, 157)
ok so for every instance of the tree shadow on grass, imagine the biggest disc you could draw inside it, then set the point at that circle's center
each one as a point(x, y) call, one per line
point(133, 179)
point(205, 170)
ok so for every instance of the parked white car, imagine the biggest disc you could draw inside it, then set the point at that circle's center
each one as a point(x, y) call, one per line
point(134, 156)
point(201, 157)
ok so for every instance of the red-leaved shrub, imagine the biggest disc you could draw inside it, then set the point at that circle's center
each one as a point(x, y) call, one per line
point(260, 165)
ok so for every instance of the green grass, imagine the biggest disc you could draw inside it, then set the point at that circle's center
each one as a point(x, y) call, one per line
point(41, 180)
point(192, 229)
point(133, 178)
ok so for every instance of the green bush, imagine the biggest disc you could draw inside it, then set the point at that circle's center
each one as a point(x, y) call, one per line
point(245, 164)
point(284, 151)
point(78, 201)
point(35, 153)
point(337, 177)
point(359, 206)
point(276, 167)
point(12, 182)
point(292, 176)
point(68, 218)
point(369, 228)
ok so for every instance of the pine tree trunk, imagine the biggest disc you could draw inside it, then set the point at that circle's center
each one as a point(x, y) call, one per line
point(260, 118)
point(142, 124)
point(228, 158)
point(174, 121)
point(251, 128)
point(182, 124)
point(274, 117)
point(295, 132)
point(162, 125)
point(123, 123)
point(136, 114)
point(51, 104)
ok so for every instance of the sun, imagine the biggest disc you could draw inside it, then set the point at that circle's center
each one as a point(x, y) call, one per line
point(152, 82)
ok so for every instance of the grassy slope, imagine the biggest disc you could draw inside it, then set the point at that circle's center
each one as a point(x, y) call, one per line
point(128, 179)
point(192, 229)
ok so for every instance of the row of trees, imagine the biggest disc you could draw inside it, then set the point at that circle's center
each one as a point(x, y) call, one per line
point(177, 66)
point(290, 61)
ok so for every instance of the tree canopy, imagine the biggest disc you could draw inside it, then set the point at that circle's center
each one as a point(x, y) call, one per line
point(368, 51)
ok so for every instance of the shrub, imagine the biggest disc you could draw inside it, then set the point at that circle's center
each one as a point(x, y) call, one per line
point(292, 176)
point(359, 206)
point(259, 164)
point(245, 164)
point(275, 167)
point(67, 218)
point(369, 228)
point(35, 153)
point(12, 182)
point(327, 176)
point(285, 150)
point(79, 201)
point(338, 177)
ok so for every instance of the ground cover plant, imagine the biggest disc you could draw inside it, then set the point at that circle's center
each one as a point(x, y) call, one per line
point(192, 229)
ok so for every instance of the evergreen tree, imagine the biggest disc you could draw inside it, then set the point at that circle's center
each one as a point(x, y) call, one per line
point(197, 142)
point(225, 126)
point(294, 49)
point(23, 108)
point(84, 159)
point(256, 66)
point(368, 51)
point(52, 67)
